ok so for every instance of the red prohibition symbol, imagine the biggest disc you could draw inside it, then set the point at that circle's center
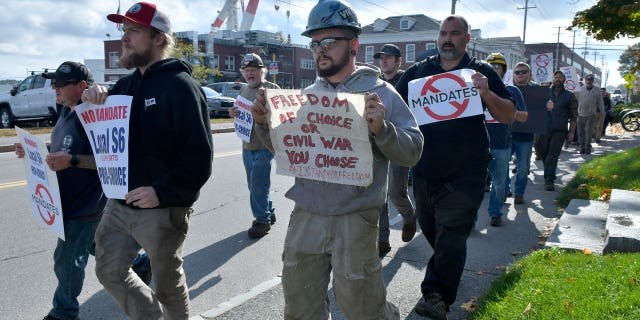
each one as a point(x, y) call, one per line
point(542, 60)
point(460, 107)
point(570, 84)
point(50, 217)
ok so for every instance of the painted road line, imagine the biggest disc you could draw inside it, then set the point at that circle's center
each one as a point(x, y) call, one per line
point(238, 300)
point(13, 184)
point(226, 154)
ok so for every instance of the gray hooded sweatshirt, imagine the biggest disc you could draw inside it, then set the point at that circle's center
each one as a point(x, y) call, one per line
point(400, 142)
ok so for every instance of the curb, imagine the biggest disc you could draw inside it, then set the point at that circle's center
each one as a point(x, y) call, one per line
point(11, 148)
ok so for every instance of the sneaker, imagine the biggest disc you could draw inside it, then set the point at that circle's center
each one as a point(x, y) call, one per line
point(409, 229)
point(549, 186)
point(383, 248)
point(519, 199)
point(432, 306)
point(496, 221)
point(258, 230)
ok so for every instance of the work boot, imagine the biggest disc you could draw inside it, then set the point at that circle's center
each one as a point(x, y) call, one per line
point(496, 221)
point(548, 185)
point(409, 229)
point(383, 248)
point(519, 199)
point(432, 306)
point(258, 230)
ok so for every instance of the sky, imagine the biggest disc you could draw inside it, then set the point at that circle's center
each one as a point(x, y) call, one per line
point(38, 34)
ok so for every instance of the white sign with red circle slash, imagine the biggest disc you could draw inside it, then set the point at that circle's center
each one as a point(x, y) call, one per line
point(571, 78)
point(42, 183)
point(542, 67)
point(445, 96)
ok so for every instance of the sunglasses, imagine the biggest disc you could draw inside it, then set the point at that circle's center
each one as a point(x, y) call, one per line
point(326, 44)
point(62, 84)
point(521, 72)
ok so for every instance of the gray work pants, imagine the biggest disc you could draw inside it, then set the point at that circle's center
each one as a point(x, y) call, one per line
point(315, 246)
point(399, 196)
point(160, 232)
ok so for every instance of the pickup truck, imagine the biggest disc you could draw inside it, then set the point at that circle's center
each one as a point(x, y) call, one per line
point(30, 100)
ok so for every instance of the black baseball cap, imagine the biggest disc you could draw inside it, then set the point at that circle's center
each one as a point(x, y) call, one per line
point(389, 49)
point(69, 72)
point(589, 77)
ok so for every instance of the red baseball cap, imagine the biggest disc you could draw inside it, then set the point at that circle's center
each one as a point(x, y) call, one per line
point(145, 14)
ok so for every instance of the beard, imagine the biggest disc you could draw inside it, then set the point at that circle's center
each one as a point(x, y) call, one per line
point(335, 66)
point(450, 54)
point(135, 59)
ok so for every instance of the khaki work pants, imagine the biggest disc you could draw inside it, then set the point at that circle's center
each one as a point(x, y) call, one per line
point(160, 232)
point(315, 246)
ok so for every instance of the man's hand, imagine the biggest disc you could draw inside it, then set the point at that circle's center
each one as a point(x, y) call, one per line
point(58, 160)
point(259, 110)
point(373, 113)
point(481, 83)
point(549, 105)
point(19, 150)
point(142, 197)
point(233, 112)
point(96, 94)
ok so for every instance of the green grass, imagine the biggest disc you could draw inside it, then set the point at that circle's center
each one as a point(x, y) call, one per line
point(42, 130)
point(596, 178)
point(558, 284)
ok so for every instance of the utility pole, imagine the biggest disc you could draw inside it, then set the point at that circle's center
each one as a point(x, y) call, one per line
point(573, 46)
point(595, 55)
point(453, 6)
point(524, 30)
point(584, 53)
point(558, 51)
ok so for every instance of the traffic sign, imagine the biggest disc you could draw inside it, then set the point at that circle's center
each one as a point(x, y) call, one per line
point(629, 85)
point(630, 77)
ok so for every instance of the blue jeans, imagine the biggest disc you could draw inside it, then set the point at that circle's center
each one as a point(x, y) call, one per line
point(69, 262)
point(499, 170)
point(257, 164)
point(522, 150)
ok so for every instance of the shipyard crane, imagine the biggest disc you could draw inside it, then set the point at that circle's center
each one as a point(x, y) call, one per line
point(229, 13)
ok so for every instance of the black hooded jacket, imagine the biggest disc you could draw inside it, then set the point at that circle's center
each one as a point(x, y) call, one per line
point(170, 146)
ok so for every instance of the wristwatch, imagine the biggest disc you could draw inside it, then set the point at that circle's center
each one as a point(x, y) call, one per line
point(74, 160)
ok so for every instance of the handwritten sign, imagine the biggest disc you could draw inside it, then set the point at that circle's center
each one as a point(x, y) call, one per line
point(542, 67)
point(320, 136)
point(444, 96)
point(243, 122)
point(42, 184)
point(107, 126)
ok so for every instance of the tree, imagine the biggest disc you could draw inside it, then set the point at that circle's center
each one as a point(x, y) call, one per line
point(628, 60)
point(185, 51)
point(609, 20)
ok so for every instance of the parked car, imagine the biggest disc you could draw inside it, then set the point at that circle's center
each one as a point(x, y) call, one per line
point(217, 104)
point(617, 97)
point(228, 89)
point(30, 100)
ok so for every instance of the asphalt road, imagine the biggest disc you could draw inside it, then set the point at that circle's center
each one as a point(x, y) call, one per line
point(225, 269)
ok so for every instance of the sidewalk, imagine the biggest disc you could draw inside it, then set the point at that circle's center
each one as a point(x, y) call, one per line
point(6, 143)
point(490, 249)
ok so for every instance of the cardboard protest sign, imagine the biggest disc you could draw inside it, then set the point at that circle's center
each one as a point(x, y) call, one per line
point(445, 96)
point(535, 97)
point(508, 77)
point(572, 81)
point(42, 184)
point(243, 122)
point(542, 67)
point(320, 136)
point(107, 127)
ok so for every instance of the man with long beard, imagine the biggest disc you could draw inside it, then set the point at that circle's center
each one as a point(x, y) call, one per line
point(333, 227)
point(565, 109)
point(170, 152)
point(448, 183)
